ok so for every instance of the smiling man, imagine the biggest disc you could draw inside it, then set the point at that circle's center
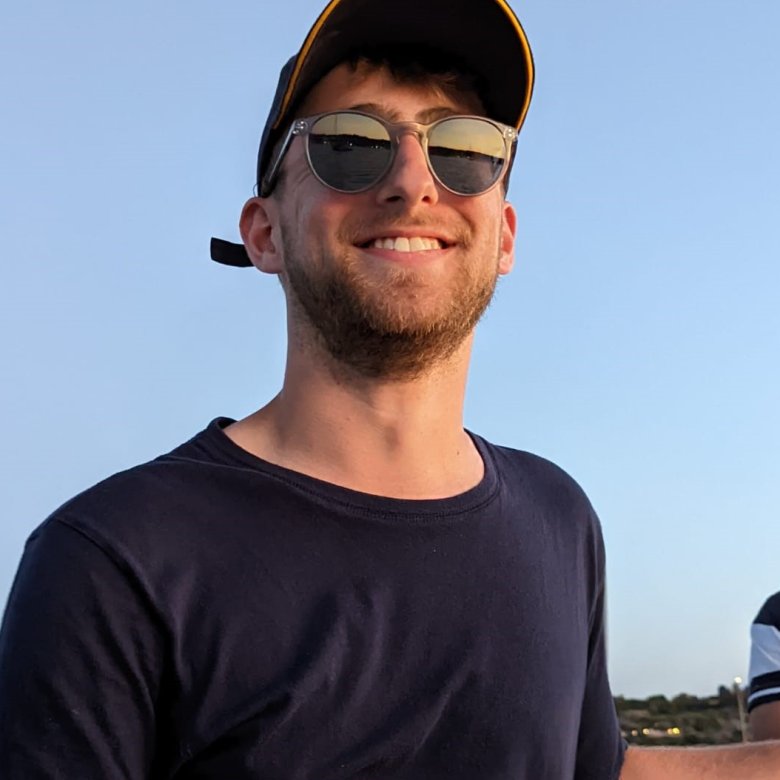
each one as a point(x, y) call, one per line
point(346, 583)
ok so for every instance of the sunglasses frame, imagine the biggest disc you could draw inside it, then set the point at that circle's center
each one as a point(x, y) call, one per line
point(302, 127)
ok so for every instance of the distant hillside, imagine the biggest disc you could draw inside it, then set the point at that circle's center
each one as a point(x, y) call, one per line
point(683, 720)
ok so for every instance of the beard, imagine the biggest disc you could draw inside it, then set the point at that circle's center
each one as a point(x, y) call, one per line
point(397, 329)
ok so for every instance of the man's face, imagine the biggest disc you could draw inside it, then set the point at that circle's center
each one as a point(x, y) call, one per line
point(374, 305)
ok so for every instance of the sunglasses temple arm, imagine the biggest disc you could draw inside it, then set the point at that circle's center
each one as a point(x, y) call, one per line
point(269, 180)
point(510, 163)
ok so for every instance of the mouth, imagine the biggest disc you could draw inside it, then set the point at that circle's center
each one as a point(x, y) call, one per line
point(406, 243)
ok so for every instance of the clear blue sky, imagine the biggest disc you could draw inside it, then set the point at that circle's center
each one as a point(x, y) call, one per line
point(636, 343)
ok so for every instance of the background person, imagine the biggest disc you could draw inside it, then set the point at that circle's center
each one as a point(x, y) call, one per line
point(763, 701)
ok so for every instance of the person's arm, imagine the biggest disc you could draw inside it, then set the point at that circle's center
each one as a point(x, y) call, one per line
point(720, 762)
point(763, 701)
point(80, 663)
point(765, 721)
point(600, 746)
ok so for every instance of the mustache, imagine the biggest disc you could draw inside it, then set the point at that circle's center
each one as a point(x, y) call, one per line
point(362, 229)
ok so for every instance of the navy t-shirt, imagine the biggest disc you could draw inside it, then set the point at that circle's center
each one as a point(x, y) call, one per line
point(211, 616)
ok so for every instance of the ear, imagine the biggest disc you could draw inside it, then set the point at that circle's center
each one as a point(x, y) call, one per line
point(259, 225)
point(506, 258)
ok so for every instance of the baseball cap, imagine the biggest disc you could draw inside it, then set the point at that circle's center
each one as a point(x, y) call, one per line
point(484, 35)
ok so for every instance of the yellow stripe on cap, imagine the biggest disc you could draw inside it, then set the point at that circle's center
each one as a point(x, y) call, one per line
point(529, 60)
point(307, 44)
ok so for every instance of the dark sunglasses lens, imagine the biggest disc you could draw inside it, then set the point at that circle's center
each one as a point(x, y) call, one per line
point(349, 152)
point(467, 154)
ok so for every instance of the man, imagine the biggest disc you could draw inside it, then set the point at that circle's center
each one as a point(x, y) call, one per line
point(764, 685)
point(345, 584)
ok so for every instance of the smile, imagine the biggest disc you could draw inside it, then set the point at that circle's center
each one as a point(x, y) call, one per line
point(405, 244)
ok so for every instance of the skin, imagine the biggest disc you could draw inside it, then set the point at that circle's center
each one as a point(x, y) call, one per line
point(400, 435)
point(765, 721)
point(729, 762)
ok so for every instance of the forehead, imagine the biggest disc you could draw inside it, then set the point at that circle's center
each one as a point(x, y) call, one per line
point(347, 87)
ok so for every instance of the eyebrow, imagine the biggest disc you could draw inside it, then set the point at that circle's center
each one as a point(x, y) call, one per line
point(424, 117)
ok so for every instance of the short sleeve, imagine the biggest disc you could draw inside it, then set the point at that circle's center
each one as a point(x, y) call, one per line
point(600, 747)
point(80, 660)
point(765, 655)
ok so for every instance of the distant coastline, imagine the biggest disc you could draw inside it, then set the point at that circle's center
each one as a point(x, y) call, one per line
point(684, 720)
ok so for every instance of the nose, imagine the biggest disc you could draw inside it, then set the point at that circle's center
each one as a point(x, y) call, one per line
point(409, 180)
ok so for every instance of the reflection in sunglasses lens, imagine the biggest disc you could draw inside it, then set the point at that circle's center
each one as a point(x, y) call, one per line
point(466, 154)
point(352, 152)
point(349, 152)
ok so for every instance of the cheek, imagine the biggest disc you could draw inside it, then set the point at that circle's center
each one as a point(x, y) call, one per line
point(487, 224)
point(315, 227)
point(333, 220)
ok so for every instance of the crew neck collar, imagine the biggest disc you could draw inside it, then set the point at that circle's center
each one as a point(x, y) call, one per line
point(375, 506)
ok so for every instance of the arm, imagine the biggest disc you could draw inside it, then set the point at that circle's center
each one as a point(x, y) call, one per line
point(600, 747)
point(765, 721)
point(726, 762)
point(80, 657)
point(764, 692)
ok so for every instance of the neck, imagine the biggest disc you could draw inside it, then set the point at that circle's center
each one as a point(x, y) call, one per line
point(403, 439)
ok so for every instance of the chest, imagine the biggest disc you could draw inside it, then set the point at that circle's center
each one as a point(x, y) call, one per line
point(359, 655)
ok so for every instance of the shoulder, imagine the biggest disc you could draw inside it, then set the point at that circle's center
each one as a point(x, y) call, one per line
point(539, 480)
point(149, 503)
point(537, 488)
point(769, 614)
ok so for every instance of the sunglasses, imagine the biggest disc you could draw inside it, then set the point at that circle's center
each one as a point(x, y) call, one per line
point(350, 151)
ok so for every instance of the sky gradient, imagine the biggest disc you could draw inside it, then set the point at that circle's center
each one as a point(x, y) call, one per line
point(636, 342)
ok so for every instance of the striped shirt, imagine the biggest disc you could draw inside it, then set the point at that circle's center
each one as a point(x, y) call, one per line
point(765, 654)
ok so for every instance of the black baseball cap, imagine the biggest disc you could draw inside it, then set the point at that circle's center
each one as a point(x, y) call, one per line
point(484, 35)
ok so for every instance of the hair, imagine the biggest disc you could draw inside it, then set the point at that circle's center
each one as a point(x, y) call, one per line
point(419, 66)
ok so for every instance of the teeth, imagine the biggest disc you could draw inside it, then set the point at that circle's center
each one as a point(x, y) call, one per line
point(403, 244)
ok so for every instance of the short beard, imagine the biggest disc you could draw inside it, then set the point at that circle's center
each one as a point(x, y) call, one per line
point(367, 331)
